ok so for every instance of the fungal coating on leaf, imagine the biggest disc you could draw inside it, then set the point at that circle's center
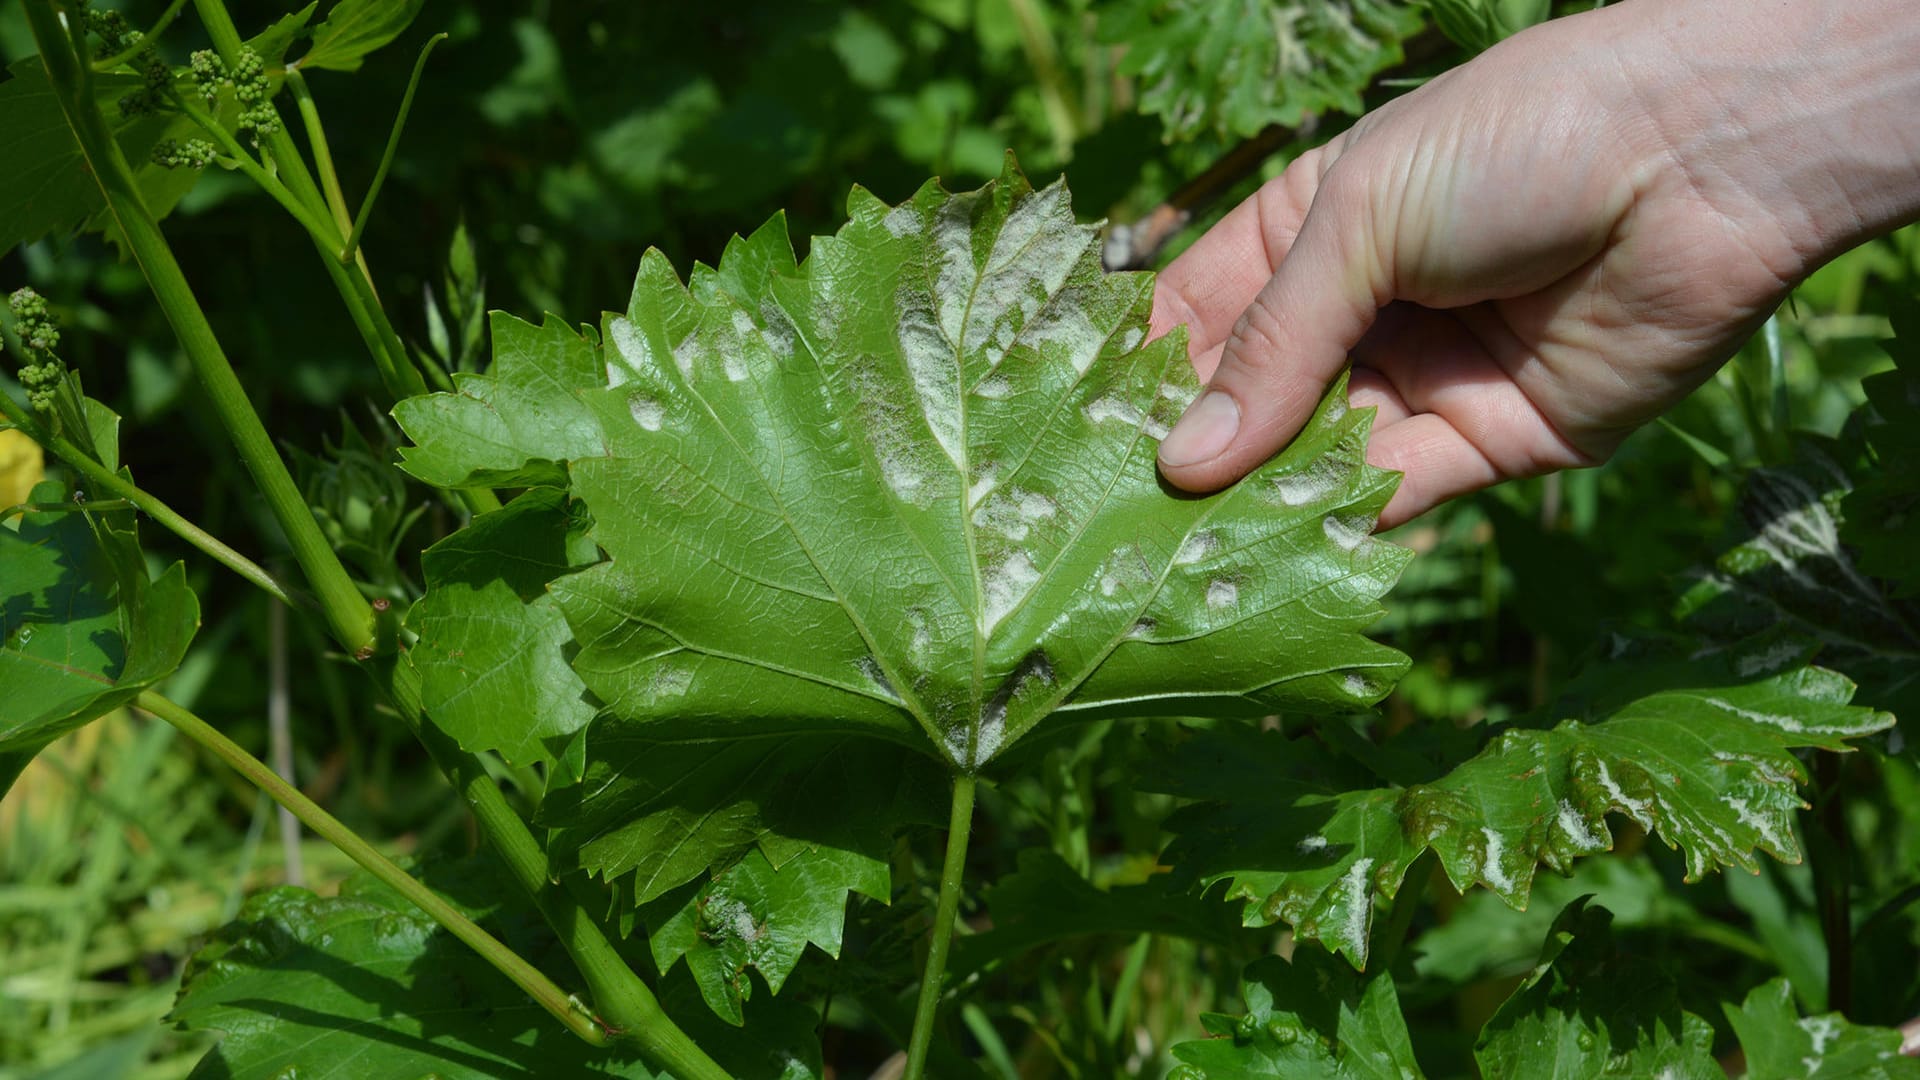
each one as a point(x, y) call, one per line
point(859, 492)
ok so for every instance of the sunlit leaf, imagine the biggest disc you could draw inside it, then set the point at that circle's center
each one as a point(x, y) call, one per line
point(1780, 1044)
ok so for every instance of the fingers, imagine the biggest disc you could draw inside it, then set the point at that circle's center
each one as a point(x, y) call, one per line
point(1286, 346)
point(1437, 462)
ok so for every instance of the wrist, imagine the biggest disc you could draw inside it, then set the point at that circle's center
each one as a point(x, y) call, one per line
point(1797, 120)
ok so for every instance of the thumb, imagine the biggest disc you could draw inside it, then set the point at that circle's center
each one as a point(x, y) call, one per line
point(1287, 346)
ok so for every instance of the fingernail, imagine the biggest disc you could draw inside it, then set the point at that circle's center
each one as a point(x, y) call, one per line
point(1203, 432)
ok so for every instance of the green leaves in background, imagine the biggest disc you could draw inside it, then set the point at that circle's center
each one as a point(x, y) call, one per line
point(354, 28)
point(1883, 510)
point(492, 643)
point(1235, 67)
point(82, 628)
point(1698, 750)
point(1590, 1010)
point(1313, 1017)
point(1781, 1044)
point(363, 986)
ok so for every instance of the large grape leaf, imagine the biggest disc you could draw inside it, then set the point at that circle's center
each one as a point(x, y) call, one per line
point(492, 644)
point(1696, 748)
point(1780, 1044)
point(908, 489)
point(1313, 1017)
point(354, 28)
point(1232, 67)
point(83, 629)
point(1589, 1009)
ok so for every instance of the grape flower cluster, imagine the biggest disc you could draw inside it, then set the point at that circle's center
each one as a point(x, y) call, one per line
point(40, 370)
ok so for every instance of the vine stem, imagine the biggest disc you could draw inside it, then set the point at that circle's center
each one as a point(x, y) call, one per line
point(564, 1007)
point(1830, 851)
point(348, 614)
point(393, 147)
point(106, 479)
point(946, 912)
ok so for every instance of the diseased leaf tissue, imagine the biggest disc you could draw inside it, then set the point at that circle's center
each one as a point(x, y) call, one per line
point(907, 488)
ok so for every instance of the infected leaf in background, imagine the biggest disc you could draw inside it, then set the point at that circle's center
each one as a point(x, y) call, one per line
point(1231, 68)
point(1313, 1017)
point(1781, 1044)
point(1697, 750)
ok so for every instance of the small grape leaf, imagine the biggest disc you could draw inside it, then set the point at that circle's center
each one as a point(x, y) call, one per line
point(83, 629)
point(1045, 901)
point(656, 813)
point(1588, 1010)
point(1233, 68)
point(1780, 1044)
point(514, 425)
point(46, 187)
point(354, 28)
point(1313, 1017)
point(908, 489)
point(754, 915)
point(363, 986)
point(492, 644)
point(1698, 748)
point(271, 44)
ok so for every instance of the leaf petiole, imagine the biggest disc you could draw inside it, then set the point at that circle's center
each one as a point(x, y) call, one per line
point(393, 146)
point(946, 910)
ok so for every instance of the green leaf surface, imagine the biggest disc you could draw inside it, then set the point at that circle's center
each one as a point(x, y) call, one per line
point(354, 28)
point(1311, 1018)
point(363, 986)
point(1698, 749)
point(1045, 901)
point(1589, 1010)
point(82, 628)
point(271, 44)
point(908, 489)
point(1233, 67)
point(754, 915)
point(1883, 510)
point(517, 424)
point(1780, 1044)
point(46, 187)
point(664, 812)
point(492, 643)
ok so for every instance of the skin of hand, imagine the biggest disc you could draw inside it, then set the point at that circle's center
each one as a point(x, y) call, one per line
point(1535, 253)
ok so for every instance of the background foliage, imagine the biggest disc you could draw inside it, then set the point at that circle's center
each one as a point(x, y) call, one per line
point(552, 144)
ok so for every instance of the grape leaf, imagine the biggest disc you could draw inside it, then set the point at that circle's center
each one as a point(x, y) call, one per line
point(1045, 900)
point(1696, 748)
point(754, 915)
point(1234, 67)
point(354, 28)
point(1589, 1010)
point(492, 643)
point(364, 986)
point(908, 489)
point(46, 187)
point(516, 424)
point(1782, 1045)
point(83, 630)
point(1883, 510)
point(1313, 1017)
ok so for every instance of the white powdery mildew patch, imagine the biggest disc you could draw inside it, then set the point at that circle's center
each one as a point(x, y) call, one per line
point(1196, 547)
point(986, 478)
point(1346, 535)
point(928, 353)
point(1321, 479)
point(1573, 825)
point(1100, 410)
point(1311, 845)
point(1775, 720)
point(1637, 809)
point(1066, 324)
point(687, 354)
point(776, 329)
point(1768, 829)
point(1222, 594)
point(1007, 583)
point(1180, 396)
point(1357, 685)
point(1493, 868)
point(670, 680)
point(922, 639)
point(646, 411)
point(630, 347)
point(1014, 514)
point(1823, 1030)
point(1772, 660)
point(1353, 891)
point(734, 918)
point(901, 221)
point(995, 388)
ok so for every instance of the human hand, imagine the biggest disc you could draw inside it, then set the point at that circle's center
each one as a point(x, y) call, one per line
point(1539, 251)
